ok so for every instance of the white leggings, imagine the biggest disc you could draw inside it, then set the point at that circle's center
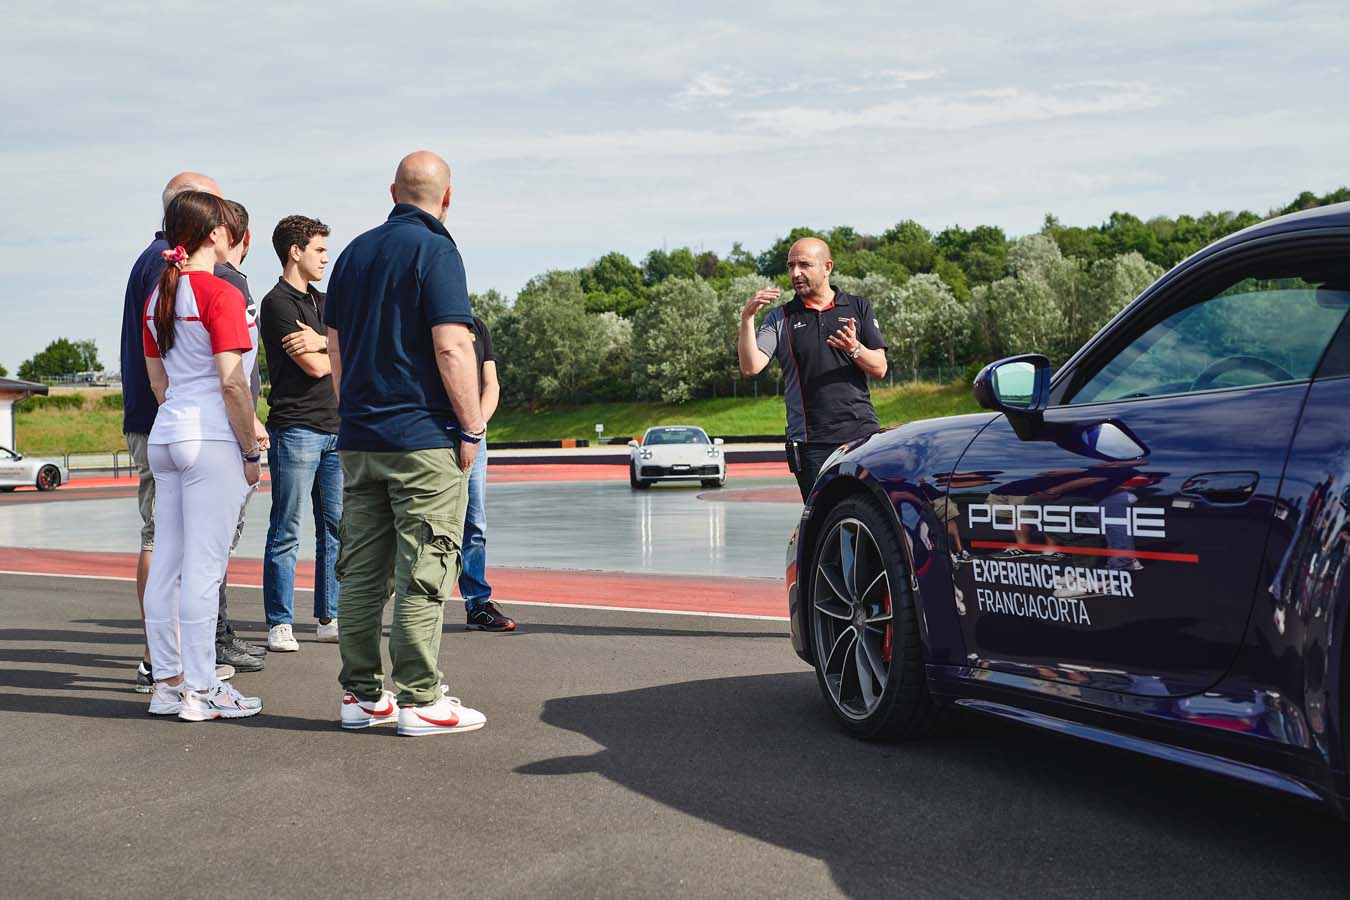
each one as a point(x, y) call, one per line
point(199, 492)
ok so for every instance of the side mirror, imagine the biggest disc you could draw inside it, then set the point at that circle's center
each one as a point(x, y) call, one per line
point(1018, 387)
point(633, 443)
point(718, 441)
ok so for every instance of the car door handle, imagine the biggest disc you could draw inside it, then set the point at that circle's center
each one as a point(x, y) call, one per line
point(1221, 487)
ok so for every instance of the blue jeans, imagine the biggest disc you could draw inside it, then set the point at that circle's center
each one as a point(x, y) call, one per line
point(302, 461)
point(473, 586)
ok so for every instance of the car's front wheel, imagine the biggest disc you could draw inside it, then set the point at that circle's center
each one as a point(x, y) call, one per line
point(714, 482)
point(864, 628)
point(48, 478)
point(635, 482)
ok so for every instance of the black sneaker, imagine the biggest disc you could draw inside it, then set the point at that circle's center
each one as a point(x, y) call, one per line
point(244, 646)
point(487, 617)
point(227, 655)
point(145, 679)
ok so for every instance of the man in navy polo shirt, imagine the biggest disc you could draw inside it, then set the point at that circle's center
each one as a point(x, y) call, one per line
point(410, 424)
point(828, 344)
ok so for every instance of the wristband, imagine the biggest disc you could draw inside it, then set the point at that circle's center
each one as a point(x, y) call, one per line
point(853, 354)
point(471, 437)
point(253, 459)
point(252, 454)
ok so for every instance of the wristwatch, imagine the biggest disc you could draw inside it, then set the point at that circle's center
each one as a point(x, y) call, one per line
point(853, 354)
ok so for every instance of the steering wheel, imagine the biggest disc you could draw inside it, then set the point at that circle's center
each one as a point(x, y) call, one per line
point(1230, 363)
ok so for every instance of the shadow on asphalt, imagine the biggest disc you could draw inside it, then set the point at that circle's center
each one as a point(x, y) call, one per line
point(991, 809)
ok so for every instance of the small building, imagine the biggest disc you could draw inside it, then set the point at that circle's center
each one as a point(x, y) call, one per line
point(11, 390)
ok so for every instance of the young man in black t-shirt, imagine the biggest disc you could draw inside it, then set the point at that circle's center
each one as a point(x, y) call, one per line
point(303, 424)
point(828, 344)
point(480, 612)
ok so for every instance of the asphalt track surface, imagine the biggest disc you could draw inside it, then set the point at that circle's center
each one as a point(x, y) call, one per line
point(625, 755)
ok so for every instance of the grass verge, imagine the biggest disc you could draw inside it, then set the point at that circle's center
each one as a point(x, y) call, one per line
point(94, 428)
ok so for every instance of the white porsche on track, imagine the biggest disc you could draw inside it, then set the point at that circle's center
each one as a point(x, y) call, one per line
point(676, 453)
point(17, 470)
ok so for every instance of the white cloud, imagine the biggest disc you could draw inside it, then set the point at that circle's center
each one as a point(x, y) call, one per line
point(576, 130)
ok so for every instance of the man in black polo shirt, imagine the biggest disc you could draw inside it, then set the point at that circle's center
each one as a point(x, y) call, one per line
point(303, 423)
point(827, 343)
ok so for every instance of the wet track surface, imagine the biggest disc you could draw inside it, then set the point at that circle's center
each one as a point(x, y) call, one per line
point(598, 524)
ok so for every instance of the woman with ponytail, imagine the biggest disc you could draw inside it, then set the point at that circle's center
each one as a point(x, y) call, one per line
point(199, 347)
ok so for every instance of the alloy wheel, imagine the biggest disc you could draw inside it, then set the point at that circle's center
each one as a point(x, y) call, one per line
point(853, 627)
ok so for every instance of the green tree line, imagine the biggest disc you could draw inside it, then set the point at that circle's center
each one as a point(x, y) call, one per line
point(665, 328)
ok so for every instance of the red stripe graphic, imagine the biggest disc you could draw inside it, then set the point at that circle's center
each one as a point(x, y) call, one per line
point(1089, 551)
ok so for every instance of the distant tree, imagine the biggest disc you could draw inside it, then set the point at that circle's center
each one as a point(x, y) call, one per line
point(773, 261)
point(871, 262)
point(726, 325)
point(61, 357)
point(613, 284)
point(491, 307)
point(1018, 315)
point(660, 265)
point(613, 337)
point(1309, 200)
point(559, 356)
point(981, 253)
point(1110, 285)
point(909, 244)
point(905, 326)
point(675, 340)
point(3, 371)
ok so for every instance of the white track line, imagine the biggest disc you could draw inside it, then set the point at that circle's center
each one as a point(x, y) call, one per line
point(595, 606)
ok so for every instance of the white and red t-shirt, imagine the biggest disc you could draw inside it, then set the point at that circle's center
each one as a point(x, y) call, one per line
point(210, 317)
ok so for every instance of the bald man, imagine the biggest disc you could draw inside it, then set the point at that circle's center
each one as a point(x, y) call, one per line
point(402, 358)
point(138, 417)
point(828, 344)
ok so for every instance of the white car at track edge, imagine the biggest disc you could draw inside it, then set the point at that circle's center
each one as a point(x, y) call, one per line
point(676, 453)
point(17, 470)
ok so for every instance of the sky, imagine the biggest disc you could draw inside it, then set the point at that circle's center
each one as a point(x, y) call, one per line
point(576, 129)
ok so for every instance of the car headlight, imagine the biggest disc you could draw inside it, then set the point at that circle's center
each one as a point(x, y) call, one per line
point(644, 453)
point(713, 451)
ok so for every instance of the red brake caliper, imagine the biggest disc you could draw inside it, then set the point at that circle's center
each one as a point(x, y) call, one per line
point(888, 639)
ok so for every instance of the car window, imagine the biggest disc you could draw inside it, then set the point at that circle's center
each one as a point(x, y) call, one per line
point(5, 453)
point(676, 436)
point(1255, 331)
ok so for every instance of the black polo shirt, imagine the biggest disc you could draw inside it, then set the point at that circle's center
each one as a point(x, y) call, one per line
point(298, 399)
point(825, 392)
point(482, 348)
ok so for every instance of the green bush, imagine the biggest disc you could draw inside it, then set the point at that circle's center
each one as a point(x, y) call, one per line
point(51, 401)
point(110, 401)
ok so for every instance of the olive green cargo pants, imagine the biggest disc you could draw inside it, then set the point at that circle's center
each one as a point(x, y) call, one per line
point(402, 526)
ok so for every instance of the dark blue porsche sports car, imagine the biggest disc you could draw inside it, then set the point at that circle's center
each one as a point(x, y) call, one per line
point(1147, 548)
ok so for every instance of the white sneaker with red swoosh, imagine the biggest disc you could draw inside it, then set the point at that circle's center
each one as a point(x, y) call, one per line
point(446, 716)
point(357, 713)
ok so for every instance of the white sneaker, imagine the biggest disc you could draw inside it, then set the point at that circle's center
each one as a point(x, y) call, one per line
point(220, 702)
point(357, 713)
point(165, 699)
point(326, 634)
point(224, 672)
point(446, 716)
point(281, 640)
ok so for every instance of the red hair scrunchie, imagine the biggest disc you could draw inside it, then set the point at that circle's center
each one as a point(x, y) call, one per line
point(177, 256)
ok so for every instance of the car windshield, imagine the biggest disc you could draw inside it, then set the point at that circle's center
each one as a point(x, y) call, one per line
point(675, 436)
